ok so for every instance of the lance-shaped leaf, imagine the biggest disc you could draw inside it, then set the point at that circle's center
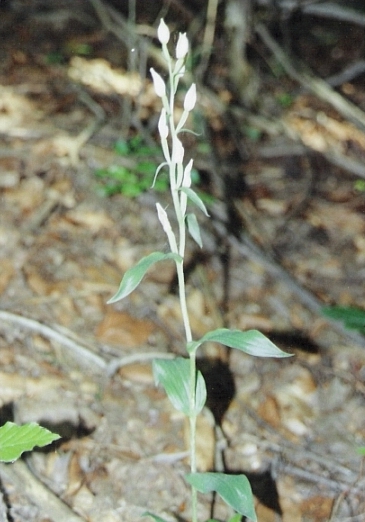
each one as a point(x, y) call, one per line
point(15, 439)
point(235, 490)
point(194, 230)
point(134, 275)
point(174, 376)
point(251, 342)
point(352, 317)
point(194, 198)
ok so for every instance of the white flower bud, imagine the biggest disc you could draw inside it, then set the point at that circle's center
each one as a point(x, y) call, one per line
point(190, 98)
point(163, 32)
point(162, 216)
point(177, 151)
point(187, 174)
point(182, 46)
point(162, 125)
point(158, 83)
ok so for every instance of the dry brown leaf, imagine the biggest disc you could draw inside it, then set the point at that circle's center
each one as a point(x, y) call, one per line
point(100, 76)
point(317, 508)
point(274, 207)
point(297, 399)
point(265, 514)
point(13, 386)
point(28, 195)
point(94, 220)
point(124, 330)
point(269, 410)
point(41, 284)
point(137, 373)
point(341, 220)
point(290, 499)
point(6, 273)
point(199, 319)
point(10, 168)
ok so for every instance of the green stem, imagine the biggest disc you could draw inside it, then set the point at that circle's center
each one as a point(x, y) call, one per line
point(192, 441)
point(193, 375)
point(175, 185)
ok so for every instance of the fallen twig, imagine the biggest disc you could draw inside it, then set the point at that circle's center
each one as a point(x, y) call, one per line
point(248, 248)
point(84, 356)
point(315, 85)
point(26, 483)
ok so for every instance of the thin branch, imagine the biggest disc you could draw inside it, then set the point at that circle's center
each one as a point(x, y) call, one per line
point(26, 483)
point(336, 11)
point(315, 85)
point(83, 355)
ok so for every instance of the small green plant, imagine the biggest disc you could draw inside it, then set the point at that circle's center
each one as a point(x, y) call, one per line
point(352, 317)
point(15, 439)
point(359, 185)
point(135, 179)
point(140, 176)
point(183, 383)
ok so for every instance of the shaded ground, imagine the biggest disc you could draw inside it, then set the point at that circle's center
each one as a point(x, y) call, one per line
point(293, 426)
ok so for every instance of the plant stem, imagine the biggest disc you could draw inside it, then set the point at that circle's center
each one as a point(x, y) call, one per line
point(192, 441)
point(193, 375)
point(176, 177)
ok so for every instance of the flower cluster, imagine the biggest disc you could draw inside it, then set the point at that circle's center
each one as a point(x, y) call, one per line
point(172, 147)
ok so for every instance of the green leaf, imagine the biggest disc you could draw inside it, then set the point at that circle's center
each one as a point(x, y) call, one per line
point(134, 275)
point(146, 167)
point(194, 198)
point(352, 317)
point(194, 230)
point(122, 148)
point(235, 490)
point(157, 173)
point(361, 450)
point(155, 517)
point(251, 342)
point(15, 439)
point(174, 375)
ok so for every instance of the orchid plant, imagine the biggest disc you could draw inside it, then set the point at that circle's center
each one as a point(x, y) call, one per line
point(183, 383)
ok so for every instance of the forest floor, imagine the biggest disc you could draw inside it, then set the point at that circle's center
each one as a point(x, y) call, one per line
point(83, 368)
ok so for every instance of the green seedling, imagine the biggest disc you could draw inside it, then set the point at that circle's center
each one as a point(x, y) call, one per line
point(183, 383)
point(131, 181)
point(15, 439)
point(359, 185)
point(284, 99)
point(352, 317)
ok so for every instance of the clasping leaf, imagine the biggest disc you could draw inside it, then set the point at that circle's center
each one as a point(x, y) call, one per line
point(174, 375)
point(134, 275)
point(235, 490)
point(251, 342)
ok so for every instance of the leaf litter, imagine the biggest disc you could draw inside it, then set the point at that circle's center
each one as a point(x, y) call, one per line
point(63, 248)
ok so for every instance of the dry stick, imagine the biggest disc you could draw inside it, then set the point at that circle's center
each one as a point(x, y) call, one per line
point(25, 482)
point(291, 459)
point(208, 38)
point(346, 75)
point(335, 11)
point(315, 85)
point(84, 356)
point(248, 248)
point(115, 23)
